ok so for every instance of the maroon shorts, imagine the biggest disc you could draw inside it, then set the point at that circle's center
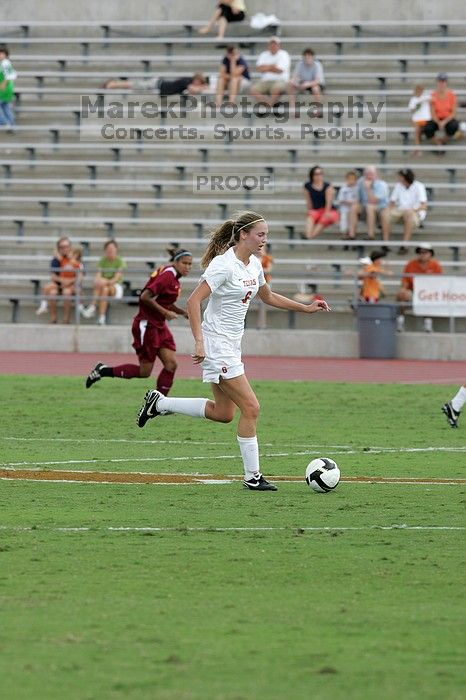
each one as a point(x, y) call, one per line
point(148, 340)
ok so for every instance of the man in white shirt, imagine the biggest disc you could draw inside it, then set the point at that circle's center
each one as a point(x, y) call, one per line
point(408, 204)
point(274, 65)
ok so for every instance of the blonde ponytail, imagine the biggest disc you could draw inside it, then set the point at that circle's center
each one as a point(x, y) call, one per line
point(227, 234)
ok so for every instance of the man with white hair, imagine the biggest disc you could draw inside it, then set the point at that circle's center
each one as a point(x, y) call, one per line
point(274, 66)
point(372, 203)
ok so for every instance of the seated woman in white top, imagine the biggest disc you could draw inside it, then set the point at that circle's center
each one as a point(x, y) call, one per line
point(408, 204)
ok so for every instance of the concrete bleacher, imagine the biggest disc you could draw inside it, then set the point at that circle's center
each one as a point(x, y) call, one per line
point(54, 182)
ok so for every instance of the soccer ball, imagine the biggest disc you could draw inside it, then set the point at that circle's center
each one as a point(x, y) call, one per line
point(322, 475)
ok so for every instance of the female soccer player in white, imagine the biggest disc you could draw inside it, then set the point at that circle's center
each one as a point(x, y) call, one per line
point(233, 276)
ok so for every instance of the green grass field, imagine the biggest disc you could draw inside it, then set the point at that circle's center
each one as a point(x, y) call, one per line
point(197, 611)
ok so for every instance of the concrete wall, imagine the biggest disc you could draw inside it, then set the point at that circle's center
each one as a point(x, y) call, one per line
point(414, 346)
point(184, 10)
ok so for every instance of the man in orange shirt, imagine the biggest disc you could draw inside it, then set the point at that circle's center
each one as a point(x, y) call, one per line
point(423, 264)
point(443, 105)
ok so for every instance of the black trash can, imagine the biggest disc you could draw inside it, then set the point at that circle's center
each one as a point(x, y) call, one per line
point(377, 330)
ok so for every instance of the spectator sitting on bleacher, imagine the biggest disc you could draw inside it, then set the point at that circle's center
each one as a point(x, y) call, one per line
point(419, 107)
point(66, 274)
point(233, 70)
point(443, 104)
point(226, 12)
point(347, 196)
point(7, 89)
point(107, 282)
point(422, 264)
point(191, 85)
point(319, 199)
point(274, 65)
point(308, 76)
point(408, 205)
point(372, 202)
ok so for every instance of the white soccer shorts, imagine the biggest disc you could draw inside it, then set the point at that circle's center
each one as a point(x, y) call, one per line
point(223, 359)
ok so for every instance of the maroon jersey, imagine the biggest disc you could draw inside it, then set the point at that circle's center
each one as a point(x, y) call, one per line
point(165, 287)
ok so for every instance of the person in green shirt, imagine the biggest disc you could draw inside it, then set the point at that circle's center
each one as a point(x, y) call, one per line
point(107, 283)
point(7, 88)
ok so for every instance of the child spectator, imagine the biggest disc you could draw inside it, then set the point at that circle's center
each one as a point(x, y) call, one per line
point(233, 70)
point(7, 88)
point(372, 289)
point(347, 196)
point(319, 198)
point(419, 108)
point(227, 11)
point(107, 282)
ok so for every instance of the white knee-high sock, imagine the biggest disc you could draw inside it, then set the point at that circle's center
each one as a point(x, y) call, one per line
point(188, 407)
point(250, 454)
point(459, 399)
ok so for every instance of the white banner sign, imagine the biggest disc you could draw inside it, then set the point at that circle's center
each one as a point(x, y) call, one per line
point(438, 295)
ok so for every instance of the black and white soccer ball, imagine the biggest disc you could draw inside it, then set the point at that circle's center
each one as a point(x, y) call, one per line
point(322, 475)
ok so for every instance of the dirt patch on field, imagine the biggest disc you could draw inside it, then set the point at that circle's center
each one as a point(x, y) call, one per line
point(141, 478)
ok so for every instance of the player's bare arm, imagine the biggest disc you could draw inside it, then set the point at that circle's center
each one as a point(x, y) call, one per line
point(148, 300)
point(193, 307)
point(281, 302)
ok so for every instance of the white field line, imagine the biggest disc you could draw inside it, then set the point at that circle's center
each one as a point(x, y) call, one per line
point(348, 449)
point(279, 528)
point(193, 458)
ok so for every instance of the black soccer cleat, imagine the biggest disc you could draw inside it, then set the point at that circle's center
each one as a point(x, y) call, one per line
point(149, 407)
point(95, 375)
point(451, 414)
point(259, 484)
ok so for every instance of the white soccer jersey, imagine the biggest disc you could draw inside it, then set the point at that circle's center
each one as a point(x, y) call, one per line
point(233, 286)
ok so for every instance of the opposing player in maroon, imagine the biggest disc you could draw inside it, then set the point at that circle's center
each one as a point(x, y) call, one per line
point(151, 336)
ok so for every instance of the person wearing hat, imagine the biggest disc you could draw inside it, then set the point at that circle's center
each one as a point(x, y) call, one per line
point(443, 104)
point(372, 288)
point(407, 205)
point(422, 264)
point(274, 66)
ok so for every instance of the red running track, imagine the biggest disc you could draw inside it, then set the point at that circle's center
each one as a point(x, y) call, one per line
point(289, 368)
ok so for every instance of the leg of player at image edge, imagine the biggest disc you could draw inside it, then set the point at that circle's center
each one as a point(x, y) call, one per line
point(452, 409)
point(156, 404)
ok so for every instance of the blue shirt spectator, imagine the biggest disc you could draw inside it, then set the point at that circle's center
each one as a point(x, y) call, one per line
point(379, 189)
